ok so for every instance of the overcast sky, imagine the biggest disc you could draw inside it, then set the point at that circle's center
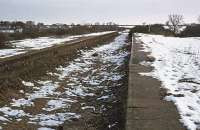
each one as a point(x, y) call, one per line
point(84, 11)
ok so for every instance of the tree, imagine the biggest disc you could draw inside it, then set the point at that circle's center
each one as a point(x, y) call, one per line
point(174, 22)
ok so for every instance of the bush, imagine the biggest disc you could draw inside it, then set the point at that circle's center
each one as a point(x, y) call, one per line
point(191, 31)
point(3, 39)
point(153, 29)
point(159, 29)
point(140, 29)
point(16, 36)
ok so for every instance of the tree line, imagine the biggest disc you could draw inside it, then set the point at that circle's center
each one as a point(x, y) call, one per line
point(174, 26)
point(29, 29)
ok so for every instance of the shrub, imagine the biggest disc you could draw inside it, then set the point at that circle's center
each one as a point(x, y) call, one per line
point(159, 29)
point(191, 31)
point(153, 29)
point(3, 39)
point(140, 29)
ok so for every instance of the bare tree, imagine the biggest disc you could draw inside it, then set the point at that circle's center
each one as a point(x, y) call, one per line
point(174, 22)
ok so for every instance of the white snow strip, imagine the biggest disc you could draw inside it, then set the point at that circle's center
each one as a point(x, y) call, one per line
point(3, 118)
point(88, 107)
point(44, 42)
point(22, 46)
point(4, 53)
point(103, 97)
point(45, 128)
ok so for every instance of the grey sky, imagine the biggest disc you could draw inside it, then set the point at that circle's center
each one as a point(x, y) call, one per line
point(83, 11)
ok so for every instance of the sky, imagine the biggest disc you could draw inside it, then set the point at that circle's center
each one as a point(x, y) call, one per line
point(91, 11)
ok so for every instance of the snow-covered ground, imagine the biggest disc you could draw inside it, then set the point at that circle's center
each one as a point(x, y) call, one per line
point(177, 65)
point(22, 46)
point(80, 78)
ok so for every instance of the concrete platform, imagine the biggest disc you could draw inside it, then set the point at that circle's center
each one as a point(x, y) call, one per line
point(146, 109)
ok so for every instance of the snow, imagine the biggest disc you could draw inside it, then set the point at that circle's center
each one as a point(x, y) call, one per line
point(103, 98)
point(28, 84)
point(21, 91)
point(58, 104)
point(112, 125)
point(44, 42)
point(4, 53)
point(88, 107)
point(45, 128)
point(96, 34)
point(177, 66)
point(11, 112)
point(46, 89)
point(21, 102)
point(40, 43)
point(54, 119)
point(23, 46)
point(3, 118)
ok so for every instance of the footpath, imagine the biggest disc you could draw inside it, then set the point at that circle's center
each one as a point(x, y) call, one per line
point(146, 109)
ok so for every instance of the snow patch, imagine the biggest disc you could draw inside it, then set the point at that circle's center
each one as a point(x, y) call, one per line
point(58, 104)
point(28, 84)
point(45, 128)
point(54, 119)
point(11, 112)
point(4, 53)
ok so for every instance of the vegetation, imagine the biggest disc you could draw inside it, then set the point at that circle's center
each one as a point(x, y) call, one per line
point(3, 39)
point(191, 31)
point(29, 29)
point(174, 23)
point(151, 29)
point(75, 30)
